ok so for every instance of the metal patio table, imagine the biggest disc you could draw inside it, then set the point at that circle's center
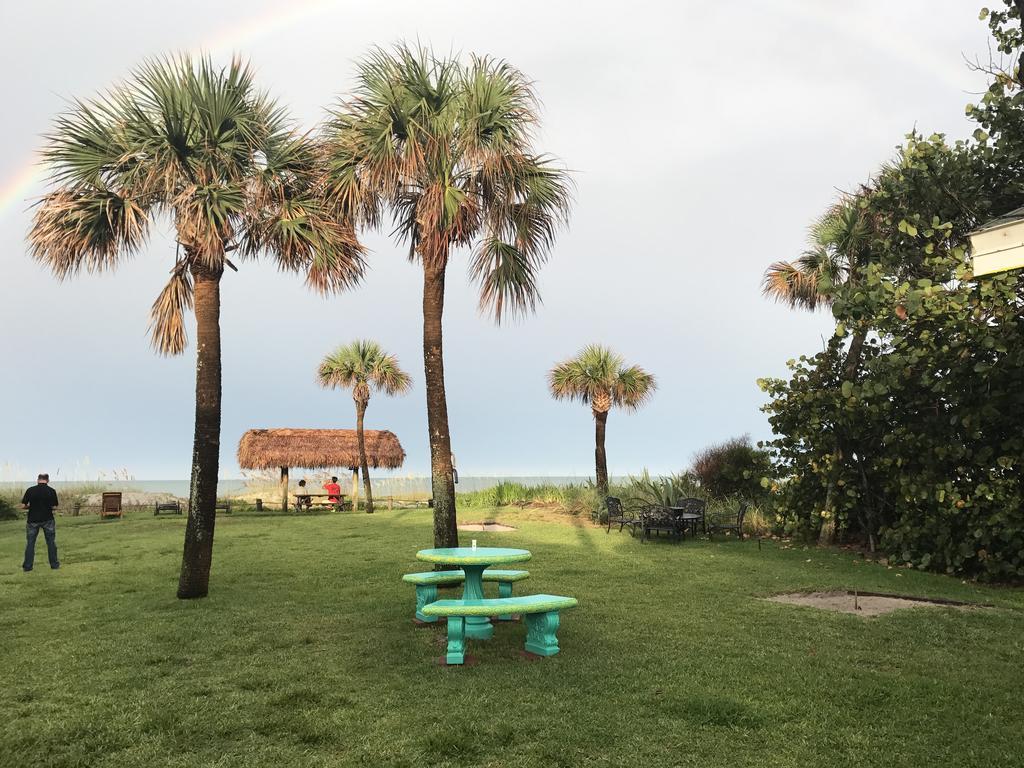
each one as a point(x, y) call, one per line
point(687, 518)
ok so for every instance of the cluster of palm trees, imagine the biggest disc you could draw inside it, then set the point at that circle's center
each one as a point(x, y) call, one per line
point(596, 376)
point(439, 147)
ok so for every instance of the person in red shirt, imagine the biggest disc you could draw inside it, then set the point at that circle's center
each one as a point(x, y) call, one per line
point(334, 489)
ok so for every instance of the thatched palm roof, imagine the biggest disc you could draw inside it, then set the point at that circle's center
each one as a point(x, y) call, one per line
point(317, 449)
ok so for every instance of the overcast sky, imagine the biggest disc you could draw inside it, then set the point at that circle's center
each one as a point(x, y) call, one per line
point(704, 136)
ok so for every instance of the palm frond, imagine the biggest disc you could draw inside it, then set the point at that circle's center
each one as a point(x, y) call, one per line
point(499, 109)
point(527, 200)
point(507, 278)
point(290, 217)
point(86, 226)
point(633, 387)
point(840, 244)
point(788, 284)
point(167, 315)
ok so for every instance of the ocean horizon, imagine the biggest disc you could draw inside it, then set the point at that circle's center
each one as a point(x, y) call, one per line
point(383, 486)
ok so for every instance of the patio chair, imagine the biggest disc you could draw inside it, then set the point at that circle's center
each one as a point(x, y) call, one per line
point(657, 519)
point(617, 515)
point(726, 520)
point(111, 504)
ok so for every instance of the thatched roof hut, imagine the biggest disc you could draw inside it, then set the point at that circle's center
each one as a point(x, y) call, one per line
point(317, 449)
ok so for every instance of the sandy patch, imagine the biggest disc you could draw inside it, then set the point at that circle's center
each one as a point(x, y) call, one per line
point(861, 605)
point(486, 526)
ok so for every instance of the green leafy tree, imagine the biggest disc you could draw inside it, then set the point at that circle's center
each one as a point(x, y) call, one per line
point(899, 453)
point(601, 379)
point(936, 416)
point(999, 112)
point(201, 146)
point(1006, 28)
point(363, 367)
point(447, 149)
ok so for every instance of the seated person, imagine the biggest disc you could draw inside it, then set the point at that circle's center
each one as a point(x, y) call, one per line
point(334, 490)
point(302, 499)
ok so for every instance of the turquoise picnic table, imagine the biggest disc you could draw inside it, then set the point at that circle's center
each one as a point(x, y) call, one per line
point(474, 562)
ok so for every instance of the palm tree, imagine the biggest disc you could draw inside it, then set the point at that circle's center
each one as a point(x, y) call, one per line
point(840, 248)
point(363, 366)
point(599, 377)
point(202, 146)
point(446, 148)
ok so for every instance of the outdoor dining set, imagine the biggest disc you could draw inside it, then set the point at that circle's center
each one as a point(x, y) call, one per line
point(470, 616)
point(678, 519)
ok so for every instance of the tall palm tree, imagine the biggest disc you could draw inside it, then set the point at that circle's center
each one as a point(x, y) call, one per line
point(363, 366)
point(446, 148)
point(840, 248)
point(202, 146)
point(599, 377)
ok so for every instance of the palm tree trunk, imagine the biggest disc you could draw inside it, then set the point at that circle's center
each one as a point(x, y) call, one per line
point(360, 412)
point(446, 534)
point(198, 555)
point(830, 527)
point(600, 458)
point(827, 532)
point(853, 354)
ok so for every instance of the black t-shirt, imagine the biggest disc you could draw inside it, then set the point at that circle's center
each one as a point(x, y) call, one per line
point(41, 500)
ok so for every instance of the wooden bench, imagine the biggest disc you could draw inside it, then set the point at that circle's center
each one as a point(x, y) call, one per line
point(428, 582)
point(541, 612)
point(319, 500)
point(175, 507)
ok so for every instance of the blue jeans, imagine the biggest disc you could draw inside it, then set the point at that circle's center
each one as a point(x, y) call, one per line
point(50, 534)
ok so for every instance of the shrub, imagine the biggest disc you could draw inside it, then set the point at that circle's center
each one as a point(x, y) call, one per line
point(661, 491)
point(9, 505)
point(734, 468)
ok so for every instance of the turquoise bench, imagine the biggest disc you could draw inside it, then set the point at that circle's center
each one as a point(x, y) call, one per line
point(428, 582)
point(541, 612)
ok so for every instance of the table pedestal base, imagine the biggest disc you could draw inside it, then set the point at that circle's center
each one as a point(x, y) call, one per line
point(477, 627)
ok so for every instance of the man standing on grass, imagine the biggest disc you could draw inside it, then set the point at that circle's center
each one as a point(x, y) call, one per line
point(40, 501)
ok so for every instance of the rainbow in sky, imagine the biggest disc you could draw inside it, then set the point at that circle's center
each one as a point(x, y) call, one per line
point(18, 189)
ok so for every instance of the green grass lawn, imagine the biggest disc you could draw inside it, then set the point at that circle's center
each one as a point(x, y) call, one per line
point(304, 655)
